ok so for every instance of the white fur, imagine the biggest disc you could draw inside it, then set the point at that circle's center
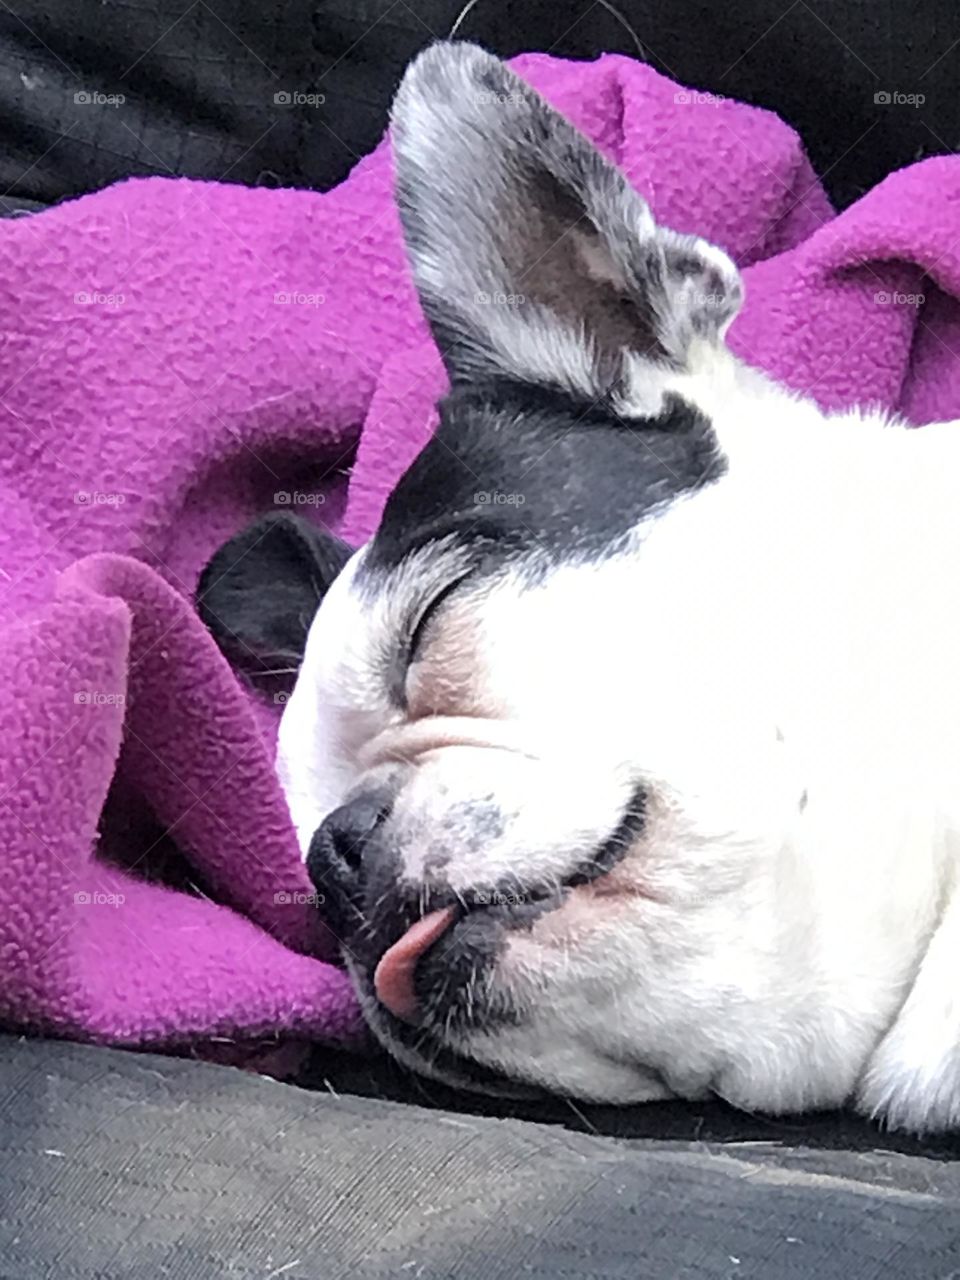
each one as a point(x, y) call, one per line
point(778, 656)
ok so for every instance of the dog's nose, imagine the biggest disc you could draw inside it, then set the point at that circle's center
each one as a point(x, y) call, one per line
point(386, 925)
point(343, 833)
point(336, 853)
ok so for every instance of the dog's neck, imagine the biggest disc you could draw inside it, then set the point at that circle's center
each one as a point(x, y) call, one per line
point(821, 583)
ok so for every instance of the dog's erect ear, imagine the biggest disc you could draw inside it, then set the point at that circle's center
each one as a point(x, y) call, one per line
point(261, 590)
point(532, 254)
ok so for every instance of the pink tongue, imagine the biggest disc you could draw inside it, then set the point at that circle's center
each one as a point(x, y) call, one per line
point(393, 976)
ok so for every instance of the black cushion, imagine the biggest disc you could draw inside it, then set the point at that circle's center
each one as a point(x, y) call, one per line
point(201, 79)
point(116, 1164)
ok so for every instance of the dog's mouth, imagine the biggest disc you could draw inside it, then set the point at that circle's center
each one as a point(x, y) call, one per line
point(393, 978)
point(395, 974)
point(433, 937)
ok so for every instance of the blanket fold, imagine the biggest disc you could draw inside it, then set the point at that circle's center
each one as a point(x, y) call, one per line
point(178, 357)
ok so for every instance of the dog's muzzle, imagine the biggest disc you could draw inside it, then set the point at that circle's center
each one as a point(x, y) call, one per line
point(424, 949)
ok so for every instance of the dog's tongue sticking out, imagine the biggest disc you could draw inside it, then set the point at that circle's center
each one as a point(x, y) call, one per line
point(393, 976)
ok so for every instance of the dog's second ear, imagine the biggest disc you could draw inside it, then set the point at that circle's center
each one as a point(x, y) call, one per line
point(533, 256)
point(261, 590)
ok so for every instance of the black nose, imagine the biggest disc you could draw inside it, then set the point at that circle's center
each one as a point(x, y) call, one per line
point(335, 860)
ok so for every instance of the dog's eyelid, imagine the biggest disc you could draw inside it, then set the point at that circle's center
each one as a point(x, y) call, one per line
point(429, 611)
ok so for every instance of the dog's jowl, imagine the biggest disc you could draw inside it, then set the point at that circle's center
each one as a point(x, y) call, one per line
point(626, 754)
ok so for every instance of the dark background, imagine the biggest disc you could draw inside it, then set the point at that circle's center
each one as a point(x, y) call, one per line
point(199, 78)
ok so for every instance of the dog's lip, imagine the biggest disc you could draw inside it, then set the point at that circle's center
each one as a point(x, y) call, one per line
point(394, 977)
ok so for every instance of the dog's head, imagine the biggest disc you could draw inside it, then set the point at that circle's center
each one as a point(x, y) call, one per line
point(509, 752)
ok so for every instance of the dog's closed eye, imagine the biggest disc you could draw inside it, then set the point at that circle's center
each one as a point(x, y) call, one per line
point(428, 615)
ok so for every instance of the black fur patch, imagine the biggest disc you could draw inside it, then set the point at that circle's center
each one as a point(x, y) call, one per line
point(515, 468)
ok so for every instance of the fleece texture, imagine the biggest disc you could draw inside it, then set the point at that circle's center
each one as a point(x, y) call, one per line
point(177, 358)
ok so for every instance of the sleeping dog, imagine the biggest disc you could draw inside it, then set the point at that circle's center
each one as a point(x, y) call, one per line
point(626, 753)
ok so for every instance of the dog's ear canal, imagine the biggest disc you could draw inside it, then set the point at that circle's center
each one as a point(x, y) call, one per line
point(532, 255)
point(261, 590)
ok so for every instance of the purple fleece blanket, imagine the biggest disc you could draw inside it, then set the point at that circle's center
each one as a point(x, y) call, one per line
point(178, 357)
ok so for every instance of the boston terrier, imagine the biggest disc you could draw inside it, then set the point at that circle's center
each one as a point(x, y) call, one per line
point(626, 753)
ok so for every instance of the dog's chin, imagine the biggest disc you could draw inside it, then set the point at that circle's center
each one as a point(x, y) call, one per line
point(428, 1053)
point(510, 1064)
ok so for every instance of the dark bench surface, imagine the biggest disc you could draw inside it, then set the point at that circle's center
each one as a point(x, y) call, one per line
point(117, 1164)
